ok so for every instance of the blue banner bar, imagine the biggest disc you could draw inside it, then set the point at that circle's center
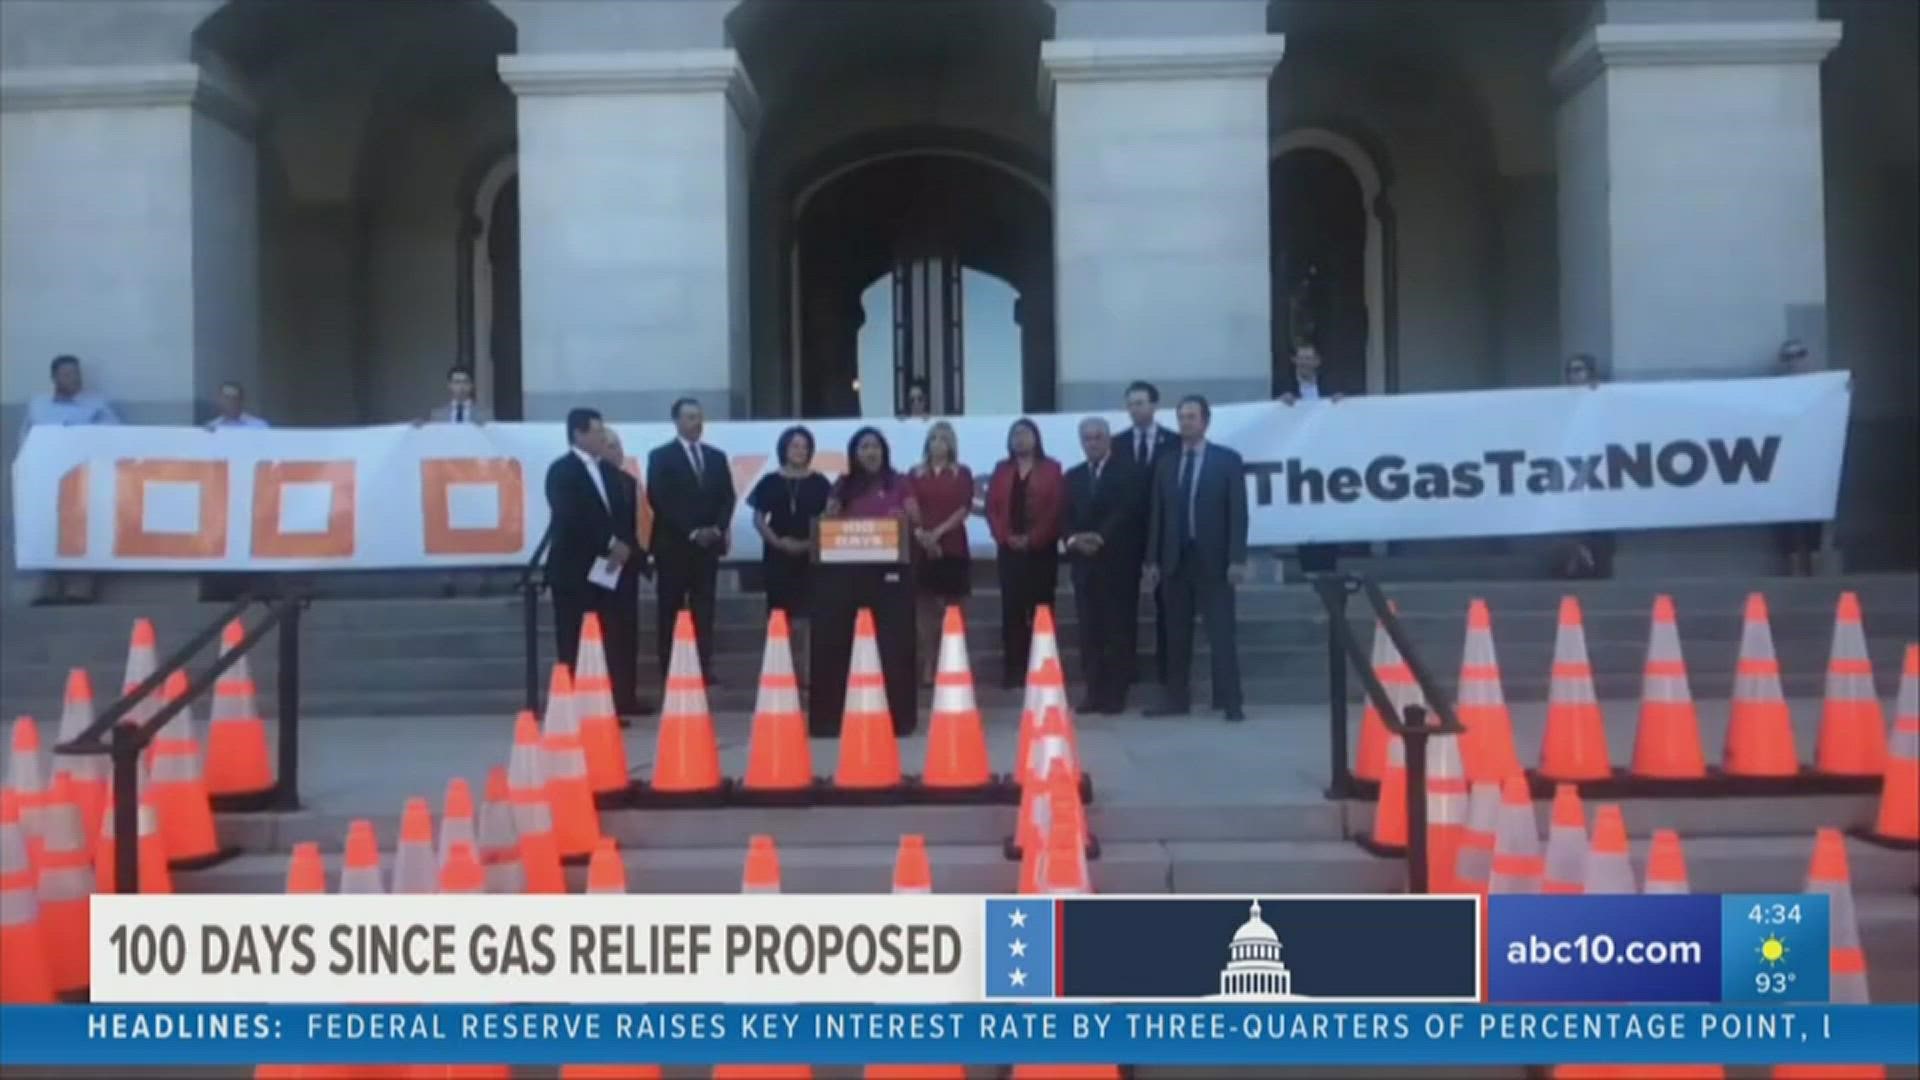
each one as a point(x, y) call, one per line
point(1200, 1033)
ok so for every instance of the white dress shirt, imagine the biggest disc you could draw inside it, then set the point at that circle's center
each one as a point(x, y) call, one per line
point(1309, 389)
point(593, 470)
point(695, 457)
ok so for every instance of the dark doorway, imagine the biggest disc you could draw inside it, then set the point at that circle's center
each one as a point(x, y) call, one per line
point(1319, 253)
point(503, 335)
point(926, 266)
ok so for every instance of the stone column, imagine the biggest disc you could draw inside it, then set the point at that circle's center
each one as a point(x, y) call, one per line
point(1692, 216)
point(1692, 219)
point(1161, 215)
point(128, 234)
point(128, 237)
point(633, 185)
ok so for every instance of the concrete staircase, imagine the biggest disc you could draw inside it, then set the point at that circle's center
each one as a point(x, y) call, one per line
point(416, 656)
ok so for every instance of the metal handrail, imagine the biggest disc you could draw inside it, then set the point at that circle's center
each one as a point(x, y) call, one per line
point(1344, 651)
point(124, 741)
point(529, 589)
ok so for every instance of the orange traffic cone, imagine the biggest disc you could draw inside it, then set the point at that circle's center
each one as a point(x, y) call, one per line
point(599, 724)
point(1370, 759)
point(27, 778)
point(66, 881)
point(155, 876)
point(1666, 745)
point(956, 743)
point(1046, 689)
point(1390, 808)
point(178, 789)
point(1666, 864)
point(1475, 860)
point(1034, 820)
point(461, 873)
point(1898, 822)
point(914, 1072)
point(499, 839)
point(532, 809)
point(1447, 798)
point(1487, 746)
point(606, 874)
point(1846, 962)
point(415, 869)
point(27, 976)
point(1609, 869)
point(1853, 730)
point(686, 759)
point(610, 1072)
point(1759, 731)
point(1046, 643)
point(1517, 864)
point(869, 751)
point(90, 774)
point(762, 873)
point(1065, 871)
point(238, 770)
point(456, 818)
point(576, 821)
point(360, 869)
point(912, 871)
point(1564, 869)
point(779, 758)
point(306, 873)
point(1575, 746)
point(142, 662)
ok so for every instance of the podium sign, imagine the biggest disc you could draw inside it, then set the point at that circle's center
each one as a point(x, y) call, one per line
point(860, 541)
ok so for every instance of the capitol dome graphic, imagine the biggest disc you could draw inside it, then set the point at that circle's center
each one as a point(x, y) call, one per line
point(1254, 970)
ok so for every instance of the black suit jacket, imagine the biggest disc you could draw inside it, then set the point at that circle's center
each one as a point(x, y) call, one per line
point(1114, 507)
point(1164, 442)
point(1219, 513)
point(583, 527)
point(683, 501)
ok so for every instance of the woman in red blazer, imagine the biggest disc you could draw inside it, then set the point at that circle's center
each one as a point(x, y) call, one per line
point(1025, 501)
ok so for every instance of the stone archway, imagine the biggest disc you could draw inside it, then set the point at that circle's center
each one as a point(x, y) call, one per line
point(1330, 251)
point(490, 285)
point(929, 263)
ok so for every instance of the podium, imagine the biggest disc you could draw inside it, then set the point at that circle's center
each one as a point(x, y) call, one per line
point(861, 563)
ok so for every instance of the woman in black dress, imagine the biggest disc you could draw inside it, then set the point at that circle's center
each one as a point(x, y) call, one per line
point(786, 502)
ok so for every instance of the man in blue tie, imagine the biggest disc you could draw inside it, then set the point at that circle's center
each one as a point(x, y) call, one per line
point(1197, 550)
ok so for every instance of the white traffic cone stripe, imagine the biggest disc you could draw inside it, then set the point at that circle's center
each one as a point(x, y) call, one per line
point(1566, 860)
point(1447, 793)
point(1609, 874)
point(779, 692)
point(362, 881)
point(455, 830)
point(414, 869)
point(61, 884)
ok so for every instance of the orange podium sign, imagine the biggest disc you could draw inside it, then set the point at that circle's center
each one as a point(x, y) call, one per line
point(843, 541)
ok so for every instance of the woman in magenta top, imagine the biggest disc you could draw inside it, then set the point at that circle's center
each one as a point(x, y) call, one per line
point(871, 487)
point(1024, 506)
point(943, 494)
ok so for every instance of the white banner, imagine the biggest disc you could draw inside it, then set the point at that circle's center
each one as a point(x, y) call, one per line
point(1405, 467)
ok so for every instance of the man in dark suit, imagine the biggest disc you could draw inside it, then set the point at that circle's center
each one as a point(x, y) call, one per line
point(1307, 380)
point(594, 557)
point(1197, 549)
point(1145, 444)
point(627, 600)
point(690, 487)
point(1105, 512)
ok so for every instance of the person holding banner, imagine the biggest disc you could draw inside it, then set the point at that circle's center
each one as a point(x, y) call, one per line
point(690, 488)
point(1024, 513)
point(1197, 547)
point(594, 556)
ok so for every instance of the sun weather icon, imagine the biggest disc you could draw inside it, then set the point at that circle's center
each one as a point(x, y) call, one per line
point(1254, 970)
point(1772, 950)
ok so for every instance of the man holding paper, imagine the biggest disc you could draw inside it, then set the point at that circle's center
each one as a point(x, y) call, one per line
point(594, 553)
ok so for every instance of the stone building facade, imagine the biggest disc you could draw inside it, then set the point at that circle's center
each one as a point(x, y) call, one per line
point(789, 207)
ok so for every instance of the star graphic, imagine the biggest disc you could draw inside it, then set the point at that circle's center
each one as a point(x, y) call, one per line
point(1018, 918)
point(1017, 977)
point(1018, 947)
